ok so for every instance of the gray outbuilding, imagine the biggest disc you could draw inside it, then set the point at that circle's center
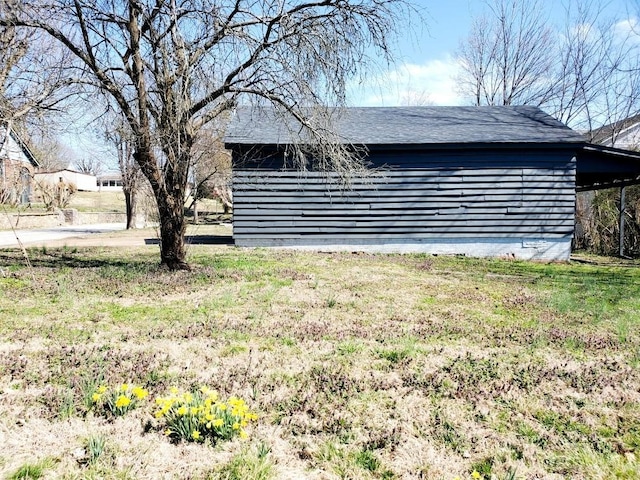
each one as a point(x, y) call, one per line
point(478, 181)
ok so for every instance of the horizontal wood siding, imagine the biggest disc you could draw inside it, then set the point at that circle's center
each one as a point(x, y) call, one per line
point(453, 196)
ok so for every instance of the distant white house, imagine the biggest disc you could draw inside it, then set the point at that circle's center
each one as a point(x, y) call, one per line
point(624, 134)
point(110, 182)
point(84, 182)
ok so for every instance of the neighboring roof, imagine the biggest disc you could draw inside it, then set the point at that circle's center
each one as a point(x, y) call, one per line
point(16, 138)
point(60, 170)
point(607, 133)
point(110, 176)
point(409, 126)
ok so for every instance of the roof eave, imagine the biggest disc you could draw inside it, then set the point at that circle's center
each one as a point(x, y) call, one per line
point(572, 144)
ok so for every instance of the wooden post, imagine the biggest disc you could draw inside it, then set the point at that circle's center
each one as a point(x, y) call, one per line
point(621, 220)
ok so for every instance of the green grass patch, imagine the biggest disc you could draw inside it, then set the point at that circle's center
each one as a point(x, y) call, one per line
point(32, 471)
point(358, 366)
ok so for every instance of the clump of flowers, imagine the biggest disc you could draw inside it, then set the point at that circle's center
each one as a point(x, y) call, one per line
point(201, 415)
point(119, 400)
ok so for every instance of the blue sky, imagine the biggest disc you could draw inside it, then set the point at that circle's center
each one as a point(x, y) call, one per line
point(426, 66)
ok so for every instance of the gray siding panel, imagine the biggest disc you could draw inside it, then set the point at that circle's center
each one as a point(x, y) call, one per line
point(474, 201)
point(387, 237)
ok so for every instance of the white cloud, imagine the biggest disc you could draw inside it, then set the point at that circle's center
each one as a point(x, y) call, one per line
point(431, 83)
point(627, 29)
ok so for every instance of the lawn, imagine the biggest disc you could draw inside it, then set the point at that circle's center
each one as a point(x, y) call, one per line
point(357, 366)
point(98, 201)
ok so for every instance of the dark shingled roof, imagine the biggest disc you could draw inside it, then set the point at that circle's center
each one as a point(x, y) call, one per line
point(410, 126)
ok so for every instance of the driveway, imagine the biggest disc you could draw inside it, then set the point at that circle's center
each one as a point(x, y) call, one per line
point(111, 235)
point(47, 236)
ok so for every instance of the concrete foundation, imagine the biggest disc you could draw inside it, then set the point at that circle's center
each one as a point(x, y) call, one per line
point(516, 248)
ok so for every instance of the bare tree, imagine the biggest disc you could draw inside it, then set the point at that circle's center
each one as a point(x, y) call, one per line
point(90, 165)
point(34, 75)
point(119, 135)
point(56, 195)
point(508, 55)
point(50, 152)
point(32, 86)
point(211, 170)
point(584, 72)
point(598, 71)
point(172, 66)
point(416, 98)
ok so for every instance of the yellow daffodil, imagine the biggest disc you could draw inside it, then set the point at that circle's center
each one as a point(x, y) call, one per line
point(122, 401)
point(195, 416)
point(476, 475)
point(140, 393)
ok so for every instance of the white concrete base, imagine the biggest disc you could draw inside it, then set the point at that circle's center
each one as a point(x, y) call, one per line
point(556, 249)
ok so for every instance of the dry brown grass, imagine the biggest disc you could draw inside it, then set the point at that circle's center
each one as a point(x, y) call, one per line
point(360, 366)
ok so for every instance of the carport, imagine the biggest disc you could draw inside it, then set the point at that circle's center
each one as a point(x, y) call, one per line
point(599, 167)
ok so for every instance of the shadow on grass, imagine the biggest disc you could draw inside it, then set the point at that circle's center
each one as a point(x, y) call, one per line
point(85, 257)
point(616, 282)
point(72, 258)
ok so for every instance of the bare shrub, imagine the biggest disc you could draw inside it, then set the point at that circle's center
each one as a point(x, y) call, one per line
point(56, 195)
point(598, 221)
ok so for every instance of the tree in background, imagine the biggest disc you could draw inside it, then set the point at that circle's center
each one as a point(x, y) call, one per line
point(118, 134)
point(34, 85)
point(598, 73)
point(89, 165)
point(585, 72)
point(170, 67)
point(211, 169)
point(508, 55)
point(34, 77)
point(50, 152)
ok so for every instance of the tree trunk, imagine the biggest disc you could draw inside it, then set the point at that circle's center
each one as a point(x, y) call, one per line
point(170, 203)
point(172, 230)
point(129, 200)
